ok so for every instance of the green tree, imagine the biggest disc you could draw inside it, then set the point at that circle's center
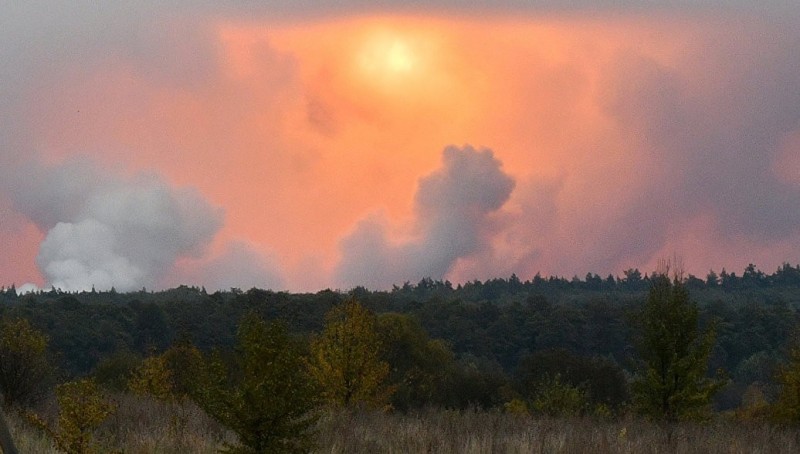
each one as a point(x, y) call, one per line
point(184, 362)
point(419, 366)
point(23, 361)
point(263, 395)
point(346, 358)
point(787, 407)
point(82, 409)
point(672, 383)
point(152, 378)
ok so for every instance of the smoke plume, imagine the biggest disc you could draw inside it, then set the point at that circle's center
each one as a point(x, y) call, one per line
point(453, 208)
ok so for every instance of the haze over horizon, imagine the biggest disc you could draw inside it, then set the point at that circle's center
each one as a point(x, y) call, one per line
point(299, 146)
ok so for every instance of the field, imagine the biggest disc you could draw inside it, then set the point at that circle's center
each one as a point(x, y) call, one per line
point(143, 425)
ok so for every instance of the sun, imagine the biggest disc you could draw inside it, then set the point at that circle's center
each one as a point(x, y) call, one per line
point(388, 58)
point(395, 59)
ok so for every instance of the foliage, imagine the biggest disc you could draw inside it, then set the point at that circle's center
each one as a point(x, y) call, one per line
point(153, 377)
point(556, 398)
point(346, 359)
point(23, 361)
point(672, 382)
point(419, 366)
point(516, 406)
point(787, 406)
point(184, 363)
point(263, 395)
point(82, 409)
point(496, 322)
point(603, 381)
point(115, 371)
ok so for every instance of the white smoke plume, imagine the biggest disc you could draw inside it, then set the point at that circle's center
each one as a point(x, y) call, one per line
point(108, 232)
point(454, 208)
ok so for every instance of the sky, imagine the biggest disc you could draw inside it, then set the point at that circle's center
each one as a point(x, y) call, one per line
point(299, 145)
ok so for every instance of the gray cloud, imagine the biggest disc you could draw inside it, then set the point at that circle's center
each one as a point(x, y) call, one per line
point(717, 147)
point(106, 232)
point(239, 266)
point(454, 208)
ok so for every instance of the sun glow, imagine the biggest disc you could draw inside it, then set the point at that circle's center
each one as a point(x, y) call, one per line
point(386, 57)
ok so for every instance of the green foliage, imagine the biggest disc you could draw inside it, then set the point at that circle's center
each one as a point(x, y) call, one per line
point(517, 407)
point(184, 363)
point(82, 409)
point(153, 377)
point(115, 371)
point(603, 381)
point(556, 398)
point(787, 407)
point(263, 395)
point(672, 382)
point(419, 366)
point(346, 359)
point(23, 361)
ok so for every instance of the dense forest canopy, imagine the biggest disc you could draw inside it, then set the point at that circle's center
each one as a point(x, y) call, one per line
point(497, 325)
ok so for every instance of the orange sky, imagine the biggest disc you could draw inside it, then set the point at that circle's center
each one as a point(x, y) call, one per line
point(300, 130)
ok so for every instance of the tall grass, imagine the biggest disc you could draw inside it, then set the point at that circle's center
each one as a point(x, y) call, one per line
point(442, 431)
point(143, 425)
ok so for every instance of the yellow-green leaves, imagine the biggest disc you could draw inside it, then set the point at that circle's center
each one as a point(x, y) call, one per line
point(153, 377)
point(82, 409)
point(23, 360)
point(346, 359)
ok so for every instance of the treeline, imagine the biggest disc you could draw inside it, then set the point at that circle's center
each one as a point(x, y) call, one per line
point(495, 327)
point(496, 323)
point(545, 346)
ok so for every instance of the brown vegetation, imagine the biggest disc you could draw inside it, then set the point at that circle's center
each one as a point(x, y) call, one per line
point(146, 425)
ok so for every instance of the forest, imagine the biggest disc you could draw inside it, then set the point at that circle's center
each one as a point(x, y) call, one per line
point(546, 349)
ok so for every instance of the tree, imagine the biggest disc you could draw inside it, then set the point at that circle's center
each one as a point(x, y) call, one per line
point(672, 383)
point(82, 409)
point(346, 358)
point(152, 378)
point(419, 366)
point(23, 361)
point(263, 395)
point(601, 381)
point(787, 406)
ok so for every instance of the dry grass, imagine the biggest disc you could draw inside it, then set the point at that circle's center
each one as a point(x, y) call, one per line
point(147, 426)
point(481, 432)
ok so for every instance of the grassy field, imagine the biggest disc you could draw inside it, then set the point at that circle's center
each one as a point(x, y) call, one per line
point(146, 426)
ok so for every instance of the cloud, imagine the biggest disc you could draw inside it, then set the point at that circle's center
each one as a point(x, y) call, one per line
point(106, 230)
point(630, 136)
point(453, 208)
point(240, 265)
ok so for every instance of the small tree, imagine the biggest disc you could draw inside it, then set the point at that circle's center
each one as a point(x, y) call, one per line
point(23, 361)
point(787, 406)
point(264, 395)
point(346, 358)
point(82, 409)
point(672, 382)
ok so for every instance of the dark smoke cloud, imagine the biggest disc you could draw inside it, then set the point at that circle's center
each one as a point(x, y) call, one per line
point(454, 208)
